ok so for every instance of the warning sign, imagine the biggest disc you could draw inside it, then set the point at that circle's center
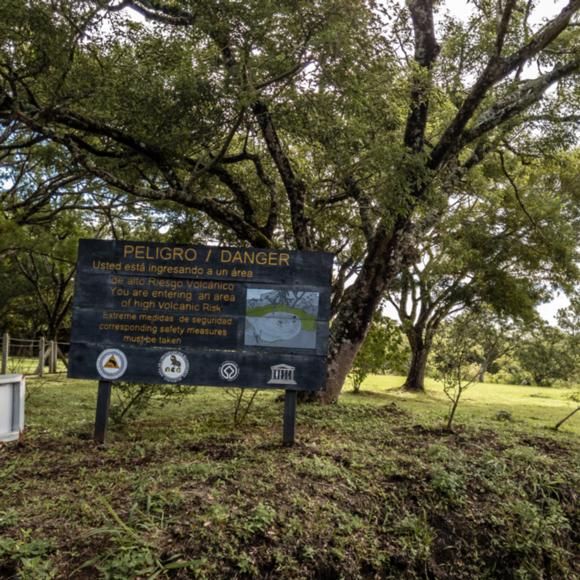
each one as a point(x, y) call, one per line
point(155, 312)
point(111, 364)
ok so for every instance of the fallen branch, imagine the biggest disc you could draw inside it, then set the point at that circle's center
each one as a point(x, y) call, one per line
point(559, 423)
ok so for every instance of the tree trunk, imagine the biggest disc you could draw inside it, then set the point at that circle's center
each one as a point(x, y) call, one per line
point(420, 348)
point(340, 361)
point(359, 303)
point(453, 409)
point(482, 370)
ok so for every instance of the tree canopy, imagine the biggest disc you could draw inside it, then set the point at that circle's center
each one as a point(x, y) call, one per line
point(506, 241)
point(314, 125)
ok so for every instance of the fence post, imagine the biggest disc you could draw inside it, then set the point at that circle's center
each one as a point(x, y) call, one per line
point(54, 356)
point(41, 348)
point(5, 351)
point(60, 355)
point(50, 356)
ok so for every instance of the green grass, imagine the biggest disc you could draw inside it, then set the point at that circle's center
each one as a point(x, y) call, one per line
point(373, 488)
point(530, 407)
point(308, 320)
point(29, 365)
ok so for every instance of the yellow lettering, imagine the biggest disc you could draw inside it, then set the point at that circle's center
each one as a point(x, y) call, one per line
point(190, 254)
point(284, 259)
point(261, 258)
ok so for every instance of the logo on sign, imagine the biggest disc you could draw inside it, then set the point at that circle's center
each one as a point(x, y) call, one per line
point(111, 363)
point(282, 375)
point(173, 366)
point(229, 370)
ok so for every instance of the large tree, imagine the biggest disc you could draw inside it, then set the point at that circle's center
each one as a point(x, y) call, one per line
point(505, 241)
point(545, 354)
point(315, 125)
point(569, 321)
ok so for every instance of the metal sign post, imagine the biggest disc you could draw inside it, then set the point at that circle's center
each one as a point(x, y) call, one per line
point(102, 415)
point(290, 399)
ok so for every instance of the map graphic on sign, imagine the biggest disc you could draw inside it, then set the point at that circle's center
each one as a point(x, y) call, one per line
point(281, 318)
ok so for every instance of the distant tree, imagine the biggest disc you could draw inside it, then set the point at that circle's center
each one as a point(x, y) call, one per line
point(41, 258)
point(569, 322)
point(544, 353)
point(489, 249)
point(497, 336)
point(569, 319)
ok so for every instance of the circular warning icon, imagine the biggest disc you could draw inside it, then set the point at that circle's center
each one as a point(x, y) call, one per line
point(112, 363)
point(229, 370)
point(173, 366)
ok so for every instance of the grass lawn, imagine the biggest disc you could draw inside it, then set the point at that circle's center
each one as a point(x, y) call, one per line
point(29, 366)
point(308, 320)
point(374, 488)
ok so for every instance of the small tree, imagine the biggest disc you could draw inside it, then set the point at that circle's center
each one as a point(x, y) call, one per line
point(243, 401)
point(456, 349)
point(383, 348)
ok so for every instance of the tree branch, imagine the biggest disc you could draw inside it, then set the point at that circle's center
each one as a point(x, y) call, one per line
point(295, 187)
point(157, 12)
point(426, 51)
point(496, 70)
point(503, 26)
point(526, 95)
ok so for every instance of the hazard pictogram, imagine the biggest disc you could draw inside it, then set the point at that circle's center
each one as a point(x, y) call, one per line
point(111, 363)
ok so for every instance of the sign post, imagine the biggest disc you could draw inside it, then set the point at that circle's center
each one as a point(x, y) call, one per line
point(102, 415)
point(200, 315)
point(290, 399)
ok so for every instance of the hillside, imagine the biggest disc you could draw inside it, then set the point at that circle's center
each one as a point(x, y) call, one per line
point(374, 488)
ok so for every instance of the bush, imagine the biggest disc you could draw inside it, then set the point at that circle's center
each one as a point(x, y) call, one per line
point(130, 400)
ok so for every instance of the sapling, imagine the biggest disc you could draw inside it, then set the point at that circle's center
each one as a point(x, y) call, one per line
point(242, 403)
point(455, 350)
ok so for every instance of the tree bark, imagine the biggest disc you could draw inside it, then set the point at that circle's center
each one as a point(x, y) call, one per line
point(482, 370)
point(420, 348)
point(360, 301)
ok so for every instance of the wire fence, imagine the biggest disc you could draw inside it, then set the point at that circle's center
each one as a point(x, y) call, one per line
point(32, 356)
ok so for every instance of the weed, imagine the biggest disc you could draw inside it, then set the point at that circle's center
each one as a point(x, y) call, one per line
point(415, 536)
point(449, 484)
point(28, 556)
